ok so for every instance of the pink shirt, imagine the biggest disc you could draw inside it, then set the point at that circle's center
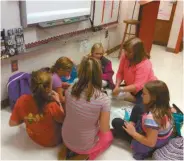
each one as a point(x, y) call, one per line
point(138, 75)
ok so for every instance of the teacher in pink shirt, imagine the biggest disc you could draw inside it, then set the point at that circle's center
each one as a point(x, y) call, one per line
point(135, 69)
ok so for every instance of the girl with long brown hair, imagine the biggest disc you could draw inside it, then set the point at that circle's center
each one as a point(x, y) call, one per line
point(86, 129)
point(149, 129)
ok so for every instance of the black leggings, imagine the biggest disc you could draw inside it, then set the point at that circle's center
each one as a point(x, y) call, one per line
point(117, 123)
point(138, 97)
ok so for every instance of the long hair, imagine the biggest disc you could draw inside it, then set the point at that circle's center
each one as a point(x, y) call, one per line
point(103, 59)
point(136, 46)
point(159, 104)
point(40, 80)
point(90, 78)
point(97, 46)
point(63, 63)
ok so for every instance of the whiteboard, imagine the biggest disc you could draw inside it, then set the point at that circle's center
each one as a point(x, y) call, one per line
point(106, 11)
point(44, 11)
point(34, 33)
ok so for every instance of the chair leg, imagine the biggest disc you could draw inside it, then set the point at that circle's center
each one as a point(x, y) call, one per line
point(62, 153)
point(80, 157)
point(121, 47)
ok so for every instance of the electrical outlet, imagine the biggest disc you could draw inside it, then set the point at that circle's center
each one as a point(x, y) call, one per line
point(14, 65)
point(106, 33)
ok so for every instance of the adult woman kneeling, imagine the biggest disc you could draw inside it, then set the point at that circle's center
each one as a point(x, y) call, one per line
point(135, 69)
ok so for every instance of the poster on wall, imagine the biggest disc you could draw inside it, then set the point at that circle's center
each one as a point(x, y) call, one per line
point(84, 46)
point(165, 10)
point(105, 12)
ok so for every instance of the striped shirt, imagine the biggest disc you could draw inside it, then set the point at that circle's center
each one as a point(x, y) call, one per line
point(149, 122)
point(137, 75)
point(81, 123)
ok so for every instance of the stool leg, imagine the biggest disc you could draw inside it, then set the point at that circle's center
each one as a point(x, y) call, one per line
point(121, 47)
point(129, 31)
point(62, 153)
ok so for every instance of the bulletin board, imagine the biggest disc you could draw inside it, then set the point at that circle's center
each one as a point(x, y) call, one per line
point(165, 9)
point(105, 12)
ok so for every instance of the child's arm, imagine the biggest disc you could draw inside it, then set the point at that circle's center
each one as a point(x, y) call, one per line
point(14, 123)
point(104, 118)
point(57, 112)
point(65, 85)
point(15, 118)
point(149, 140)
point(57, 86)
point(59, 90)
point(104, 121)
point(108, 72)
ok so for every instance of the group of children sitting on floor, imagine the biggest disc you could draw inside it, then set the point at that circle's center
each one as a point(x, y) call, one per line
point(78, 115)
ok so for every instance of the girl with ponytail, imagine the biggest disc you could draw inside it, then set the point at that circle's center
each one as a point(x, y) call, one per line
point(86, 132)
point(40, 113)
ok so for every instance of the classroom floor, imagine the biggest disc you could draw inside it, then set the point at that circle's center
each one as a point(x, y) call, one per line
point(16, 145)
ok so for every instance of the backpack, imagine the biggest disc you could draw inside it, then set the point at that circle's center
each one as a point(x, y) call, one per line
point(18, 85)
point(178, 121)
point(171, 151)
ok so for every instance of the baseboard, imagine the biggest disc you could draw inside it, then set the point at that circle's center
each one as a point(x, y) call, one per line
point(5, 103)
point(172, 50)
point(160, 43)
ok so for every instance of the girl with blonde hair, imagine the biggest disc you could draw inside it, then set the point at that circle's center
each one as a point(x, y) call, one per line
point(97, 52)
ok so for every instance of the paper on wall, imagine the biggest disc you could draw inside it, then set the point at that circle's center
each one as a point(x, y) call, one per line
point(165, 10)
point(84, 46)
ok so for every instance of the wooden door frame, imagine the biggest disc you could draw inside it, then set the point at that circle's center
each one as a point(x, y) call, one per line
point(179, 40)
point(146, 31)
point(180, 35)
point(171, 19)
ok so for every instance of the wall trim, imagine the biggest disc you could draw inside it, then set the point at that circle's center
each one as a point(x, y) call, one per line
point(172, 50)
point(5, 103)
point(179, 40)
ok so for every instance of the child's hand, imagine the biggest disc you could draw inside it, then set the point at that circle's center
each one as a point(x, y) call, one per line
point(65, 85)
point(129, 128)
point(55, 96)
point(116, 91)
point(63, 100)
point(173, 110)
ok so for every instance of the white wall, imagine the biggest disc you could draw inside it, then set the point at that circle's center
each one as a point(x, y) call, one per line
point(176, 25)
point(48, 54)
point(126, 11)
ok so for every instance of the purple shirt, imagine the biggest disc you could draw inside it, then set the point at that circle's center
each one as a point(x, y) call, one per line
point(56, 81)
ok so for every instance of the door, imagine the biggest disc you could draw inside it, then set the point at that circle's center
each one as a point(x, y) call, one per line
point(147, 17)
point(164, 22)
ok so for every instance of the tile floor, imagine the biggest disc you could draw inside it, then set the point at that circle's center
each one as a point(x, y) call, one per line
point(16, 145)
